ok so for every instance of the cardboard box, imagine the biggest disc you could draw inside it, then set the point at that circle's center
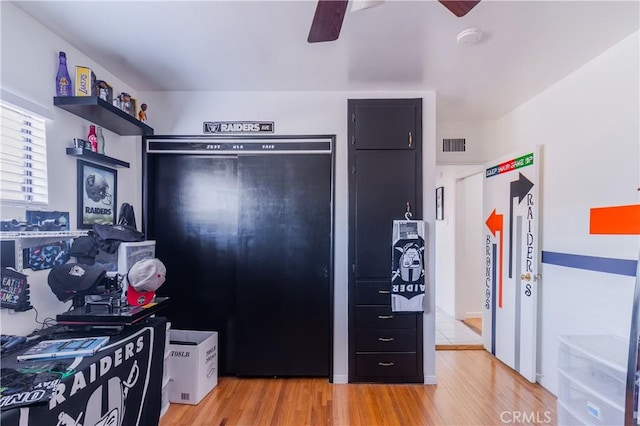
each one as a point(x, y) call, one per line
point(85, 79)
point(193, 365)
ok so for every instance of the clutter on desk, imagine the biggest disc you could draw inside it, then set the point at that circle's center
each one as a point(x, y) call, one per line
point(64, 348)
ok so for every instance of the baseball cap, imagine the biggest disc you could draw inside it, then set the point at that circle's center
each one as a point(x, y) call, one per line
point(144, 278)
point(70, 279)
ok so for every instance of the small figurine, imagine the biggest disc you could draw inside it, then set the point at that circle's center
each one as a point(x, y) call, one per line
point(125, 102)
point(142, 115)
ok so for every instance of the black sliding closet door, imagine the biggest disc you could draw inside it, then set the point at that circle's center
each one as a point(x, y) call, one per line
point(193, 217)
point(284, 265)
point(247, 244)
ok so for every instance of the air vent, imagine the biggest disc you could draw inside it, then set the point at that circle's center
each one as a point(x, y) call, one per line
point(453, 145)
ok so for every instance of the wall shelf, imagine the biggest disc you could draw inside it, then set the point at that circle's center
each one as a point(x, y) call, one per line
point(94, 156)
point(103, 114)
point(25, 240)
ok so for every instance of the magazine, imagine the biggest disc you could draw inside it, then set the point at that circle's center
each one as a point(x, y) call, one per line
point(64, 348)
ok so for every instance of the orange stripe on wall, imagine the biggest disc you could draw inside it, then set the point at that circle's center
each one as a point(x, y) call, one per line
point(619, 220)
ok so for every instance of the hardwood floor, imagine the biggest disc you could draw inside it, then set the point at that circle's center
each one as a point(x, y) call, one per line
point(474, 323)
point(473, 389)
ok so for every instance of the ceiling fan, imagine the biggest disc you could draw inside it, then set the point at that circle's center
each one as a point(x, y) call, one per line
point(329, 15)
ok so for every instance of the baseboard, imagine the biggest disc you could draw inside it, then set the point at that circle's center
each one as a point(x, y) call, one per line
point(340, 379)
point(430, 380)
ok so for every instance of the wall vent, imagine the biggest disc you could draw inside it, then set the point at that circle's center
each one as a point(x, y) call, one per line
point(453, 145)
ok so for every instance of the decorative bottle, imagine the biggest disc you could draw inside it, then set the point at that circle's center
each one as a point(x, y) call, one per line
point(93, 138)
point(100, 138)
point(63, 80)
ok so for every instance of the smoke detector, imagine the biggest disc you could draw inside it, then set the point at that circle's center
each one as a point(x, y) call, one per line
point(469, 36)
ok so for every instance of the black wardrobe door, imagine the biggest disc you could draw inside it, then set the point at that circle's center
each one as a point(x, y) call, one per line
point(193, 217)
point(385, 182)
point(284, 265)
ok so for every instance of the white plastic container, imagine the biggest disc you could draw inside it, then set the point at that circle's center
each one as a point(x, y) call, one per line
point(566, 417)
point(591, 405)
point(592, 377)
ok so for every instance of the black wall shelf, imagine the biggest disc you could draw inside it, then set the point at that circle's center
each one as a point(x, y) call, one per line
point(103, 114)
point(94, 156)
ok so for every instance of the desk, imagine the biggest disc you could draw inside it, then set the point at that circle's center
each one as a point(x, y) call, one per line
point(120, 385)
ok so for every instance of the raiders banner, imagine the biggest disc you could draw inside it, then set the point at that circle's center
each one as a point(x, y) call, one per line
point(231, 127)
point(407, 266)
point(115, 387)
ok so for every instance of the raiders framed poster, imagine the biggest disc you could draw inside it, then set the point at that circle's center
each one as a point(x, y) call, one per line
point(97, 187)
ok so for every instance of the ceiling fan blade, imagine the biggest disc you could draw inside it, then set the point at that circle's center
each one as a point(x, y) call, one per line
point(327, 20)
point(459, 7)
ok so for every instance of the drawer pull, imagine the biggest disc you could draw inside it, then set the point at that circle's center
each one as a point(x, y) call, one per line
point(385, 339)
point(385, 316)
point(385, 364)
point(383, 292)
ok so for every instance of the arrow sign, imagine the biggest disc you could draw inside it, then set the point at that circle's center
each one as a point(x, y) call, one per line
point(519, 188)
point(495, 224)
point(615, 220)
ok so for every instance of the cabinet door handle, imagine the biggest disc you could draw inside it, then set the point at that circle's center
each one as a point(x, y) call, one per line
point(385, 339)
point(385, 364)
point(385, 316)
point(410, 139)
point(383, 292)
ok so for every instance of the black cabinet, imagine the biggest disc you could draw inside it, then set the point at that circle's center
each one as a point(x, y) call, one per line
point(385, 164)
point(386, 124)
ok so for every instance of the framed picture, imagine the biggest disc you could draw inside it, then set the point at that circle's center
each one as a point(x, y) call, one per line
point(97, 187)
point(440, 203)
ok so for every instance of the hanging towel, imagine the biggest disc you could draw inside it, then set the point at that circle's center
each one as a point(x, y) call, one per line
point(408, 279)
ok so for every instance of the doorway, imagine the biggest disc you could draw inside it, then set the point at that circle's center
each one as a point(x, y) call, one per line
point(458, 259)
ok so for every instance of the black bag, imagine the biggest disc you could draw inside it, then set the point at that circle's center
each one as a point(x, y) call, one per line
point(127, 216)
point(117, 233)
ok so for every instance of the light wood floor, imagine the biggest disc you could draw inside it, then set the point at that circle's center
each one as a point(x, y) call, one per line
point(474, 323)
point(473, 389)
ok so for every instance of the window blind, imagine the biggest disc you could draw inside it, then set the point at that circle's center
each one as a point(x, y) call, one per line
point(23, 156)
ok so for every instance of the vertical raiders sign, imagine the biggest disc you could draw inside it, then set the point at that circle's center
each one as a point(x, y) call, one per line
point(407, 270)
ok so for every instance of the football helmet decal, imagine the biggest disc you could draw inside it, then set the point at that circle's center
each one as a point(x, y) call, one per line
point(97, 189)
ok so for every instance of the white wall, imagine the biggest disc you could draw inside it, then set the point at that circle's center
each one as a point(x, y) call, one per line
point(588, 124)
point(480, 141)
point(300, 113)
point(28, 69)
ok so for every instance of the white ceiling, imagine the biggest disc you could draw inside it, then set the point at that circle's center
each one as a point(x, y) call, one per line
point(399, 45)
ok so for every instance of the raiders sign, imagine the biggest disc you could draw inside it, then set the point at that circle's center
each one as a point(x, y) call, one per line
point(229, 127)
point(113, 388)
point(407, 266)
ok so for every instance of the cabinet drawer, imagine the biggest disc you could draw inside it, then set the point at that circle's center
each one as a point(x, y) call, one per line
point(385, 365)
point(373, 293)
point(382, 317)
point(384, 340)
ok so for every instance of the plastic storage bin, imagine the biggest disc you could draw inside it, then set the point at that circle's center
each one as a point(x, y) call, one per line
point(592, 378)
point(592, 405)
point(566, 417)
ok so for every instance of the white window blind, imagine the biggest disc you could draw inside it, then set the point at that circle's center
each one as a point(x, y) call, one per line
point(23, 156)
